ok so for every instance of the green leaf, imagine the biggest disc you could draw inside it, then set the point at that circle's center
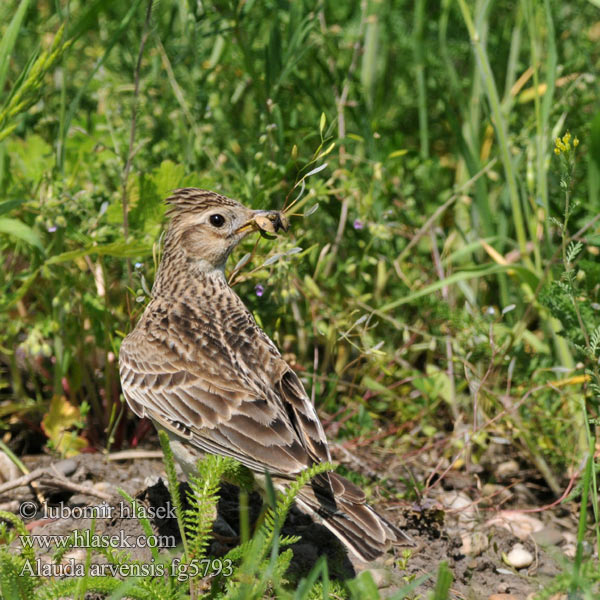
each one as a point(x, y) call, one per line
point(9, 39)
point(464, 253)
point(31, 158)
point(397, 153)
point(322, 124)
point(167, 177)
point(364, 587)
point(118, 249)
point(9, 205)
point(273, 52)
point(443, 583)
point(368, 72)
point(107, 47)
point(526, 275)
point(58, 422)
point(375, 386)
point(18, 229)
point(595, 139)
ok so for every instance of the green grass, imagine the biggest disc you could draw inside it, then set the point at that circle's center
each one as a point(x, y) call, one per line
point(440, 277)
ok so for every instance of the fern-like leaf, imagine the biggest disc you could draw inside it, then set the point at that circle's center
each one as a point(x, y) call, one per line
point(276, 516)
point(169, 461)
point(203, 500)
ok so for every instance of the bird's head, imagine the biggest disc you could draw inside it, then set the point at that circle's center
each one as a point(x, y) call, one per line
point(207, 226)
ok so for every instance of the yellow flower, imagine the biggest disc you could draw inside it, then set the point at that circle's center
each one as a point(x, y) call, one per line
point(564, 144)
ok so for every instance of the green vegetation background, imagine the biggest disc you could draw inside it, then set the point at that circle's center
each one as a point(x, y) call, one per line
point(447, 287)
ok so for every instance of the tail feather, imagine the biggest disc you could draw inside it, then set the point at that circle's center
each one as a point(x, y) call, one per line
point(366, 533)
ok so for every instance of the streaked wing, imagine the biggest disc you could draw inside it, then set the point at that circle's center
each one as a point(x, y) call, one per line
point(224, 387)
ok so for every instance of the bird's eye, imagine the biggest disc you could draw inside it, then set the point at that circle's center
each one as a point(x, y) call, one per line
point(217, 220)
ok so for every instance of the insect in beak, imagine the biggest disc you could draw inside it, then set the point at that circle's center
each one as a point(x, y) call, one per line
point(266, 222)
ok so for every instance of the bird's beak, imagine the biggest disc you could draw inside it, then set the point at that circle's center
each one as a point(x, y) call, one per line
point(265, 222)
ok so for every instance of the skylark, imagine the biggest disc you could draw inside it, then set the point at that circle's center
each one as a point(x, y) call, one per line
point(199, 366)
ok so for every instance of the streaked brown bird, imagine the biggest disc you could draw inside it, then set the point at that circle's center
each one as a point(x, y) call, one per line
point(199, 366)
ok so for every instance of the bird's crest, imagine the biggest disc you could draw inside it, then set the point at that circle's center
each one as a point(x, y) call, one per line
point(194, 200)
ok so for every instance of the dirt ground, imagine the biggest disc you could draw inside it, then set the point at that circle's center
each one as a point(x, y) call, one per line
point(476, 528)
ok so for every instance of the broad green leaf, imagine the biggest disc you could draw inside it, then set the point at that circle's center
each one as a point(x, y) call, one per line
point(58, 421)
point(20, 230)
point(440, 384)
point(443, 583)
point(9, 205)
point(31, 158)
point(167, 177)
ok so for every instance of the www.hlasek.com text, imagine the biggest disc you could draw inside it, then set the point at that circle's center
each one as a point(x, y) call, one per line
point(84, 538)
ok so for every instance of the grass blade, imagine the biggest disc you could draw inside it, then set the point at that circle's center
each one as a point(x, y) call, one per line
point(9, 40)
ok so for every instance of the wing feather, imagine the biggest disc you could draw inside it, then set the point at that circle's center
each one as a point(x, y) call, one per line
point(224, 388)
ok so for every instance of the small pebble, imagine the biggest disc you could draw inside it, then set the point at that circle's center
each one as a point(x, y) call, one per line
point(519, 557)
point(493, 494)
point(549, 536)
point(77, 555)
point(151, 480)
point(519, 524)
point(65, 467)
point(475, 543)
point(569, 537)
point(507, 469)
point(461, 505)
point(103, 486)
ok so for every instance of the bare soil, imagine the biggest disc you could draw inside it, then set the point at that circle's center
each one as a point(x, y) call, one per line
point(451, 522)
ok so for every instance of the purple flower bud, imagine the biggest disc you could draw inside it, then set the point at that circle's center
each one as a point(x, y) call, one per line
point(52, 229)
point(259, 289)
point(358, 224)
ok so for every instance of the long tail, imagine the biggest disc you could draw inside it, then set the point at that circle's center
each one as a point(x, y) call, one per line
point(367, 534)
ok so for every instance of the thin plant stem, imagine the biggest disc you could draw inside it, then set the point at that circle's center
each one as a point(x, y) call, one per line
point(419, 51)
point(486, 74)
point(341, 101)
point(132, 129)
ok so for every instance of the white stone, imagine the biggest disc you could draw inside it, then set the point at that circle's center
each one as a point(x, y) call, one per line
point(519, 557)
